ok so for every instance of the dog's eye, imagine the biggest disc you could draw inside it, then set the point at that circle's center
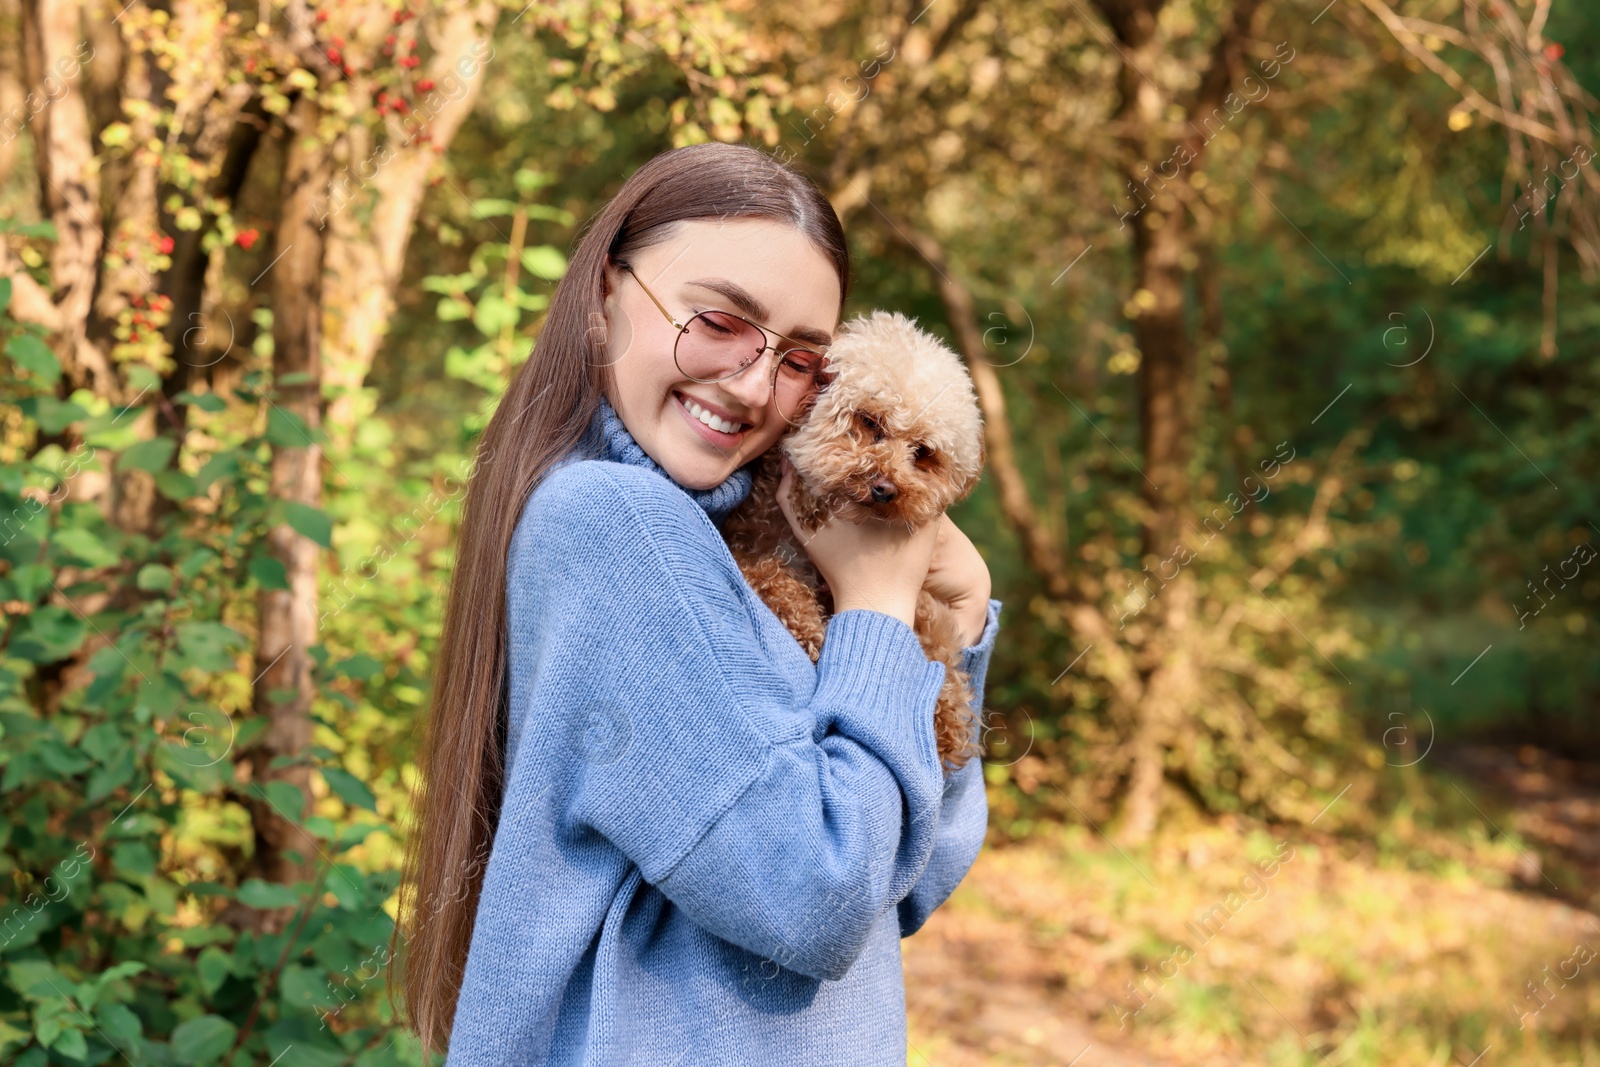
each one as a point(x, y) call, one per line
point(872, 425)
point(921, 452)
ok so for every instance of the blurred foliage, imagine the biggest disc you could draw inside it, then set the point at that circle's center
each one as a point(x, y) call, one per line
point(124, 822)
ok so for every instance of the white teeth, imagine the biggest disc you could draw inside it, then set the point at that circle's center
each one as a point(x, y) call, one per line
point(713, 421)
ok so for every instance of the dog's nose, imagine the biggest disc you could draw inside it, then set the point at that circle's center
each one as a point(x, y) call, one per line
point(883, 492)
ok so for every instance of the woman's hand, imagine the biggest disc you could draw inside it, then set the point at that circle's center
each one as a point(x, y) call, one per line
point(880, 566)
point(958, 576)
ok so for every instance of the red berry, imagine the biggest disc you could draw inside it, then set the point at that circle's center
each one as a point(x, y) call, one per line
point(425, 85)
point(1554, 51)
point(245, 238)
point(165, 245)
point(408, 61)
point(388, 39)
point(383, 109)
point(322, 16)
point(338, 42)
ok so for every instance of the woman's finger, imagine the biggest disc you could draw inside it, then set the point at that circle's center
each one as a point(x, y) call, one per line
point(785, 484)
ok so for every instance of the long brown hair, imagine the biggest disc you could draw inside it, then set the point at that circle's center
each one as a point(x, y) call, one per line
point(543, 414)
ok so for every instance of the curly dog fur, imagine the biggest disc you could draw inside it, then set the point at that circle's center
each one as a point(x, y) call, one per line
point(894, 436)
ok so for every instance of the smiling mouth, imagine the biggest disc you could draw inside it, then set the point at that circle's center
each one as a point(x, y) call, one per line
point(715, 422)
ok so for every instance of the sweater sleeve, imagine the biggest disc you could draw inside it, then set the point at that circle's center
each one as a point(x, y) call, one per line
point(785, 824)
point(964, 809)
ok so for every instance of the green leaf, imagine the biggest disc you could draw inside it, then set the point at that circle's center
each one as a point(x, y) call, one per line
point(33, 354)
point(449, 284)
point(196, 561)
point(5, 302)
point(349, 788)
point(125, 969)
point(45, 230)
point(453, 310)
point(51, 414)
point(208, 402)
point(151, 455)
point(70, 1043)
point(119, 1023)
point(385, 1055)
point(312, 522)
point(118, 771)
point(300, 1039)
point(176, 485)
point(134, 859)
point(553, 214)
point(358, 667)
point(255, 893)
point(286, 799)
point(203, 1040)
point(221, 465)
point(545, 261)
point(48, 634)
point(286, 429)
point(206, 644)
point(268, 572)
point(38, 980)
point(527, 180)
point(80, 544)
point(489, 207)
point(61, 760)
point(11, 1035)
point(154, 578)
point(214, 965)
point(493, 315)
point(305, 988)
point(102, 742)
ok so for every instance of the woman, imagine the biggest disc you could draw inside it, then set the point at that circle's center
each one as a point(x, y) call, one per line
point(652, 831)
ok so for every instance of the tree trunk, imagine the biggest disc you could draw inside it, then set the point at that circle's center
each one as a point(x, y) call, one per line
point(288, 618)
point(69, 190)
point(1163, 253)
point(366, 256)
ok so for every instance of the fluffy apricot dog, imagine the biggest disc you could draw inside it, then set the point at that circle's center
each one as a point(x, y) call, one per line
point(894, 436)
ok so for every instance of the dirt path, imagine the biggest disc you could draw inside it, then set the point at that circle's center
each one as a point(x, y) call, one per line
point(1344, 952)
point(1556, 804)
point(982, 992)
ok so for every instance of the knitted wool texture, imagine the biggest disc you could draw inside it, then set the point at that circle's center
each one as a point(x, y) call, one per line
point(709, 846)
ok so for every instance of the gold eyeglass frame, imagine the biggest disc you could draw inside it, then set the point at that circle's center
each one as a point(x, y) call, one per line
point(772, 382)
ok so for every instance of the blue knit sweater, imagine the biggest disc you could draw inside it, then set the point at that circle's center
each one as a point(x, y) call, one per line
point(709, 847)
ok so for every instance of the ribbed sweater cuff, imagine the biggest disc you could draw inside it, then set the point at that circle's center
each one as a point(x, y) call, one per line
point(873, 664)
point(978, 652)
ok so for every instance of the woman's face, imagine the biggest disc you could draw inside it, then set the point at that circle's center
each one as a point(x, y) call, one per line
point(767, 271)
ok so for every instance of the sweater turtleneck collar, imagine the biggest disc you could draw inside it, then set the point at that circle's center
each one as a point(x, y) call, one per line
point(609, 439)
